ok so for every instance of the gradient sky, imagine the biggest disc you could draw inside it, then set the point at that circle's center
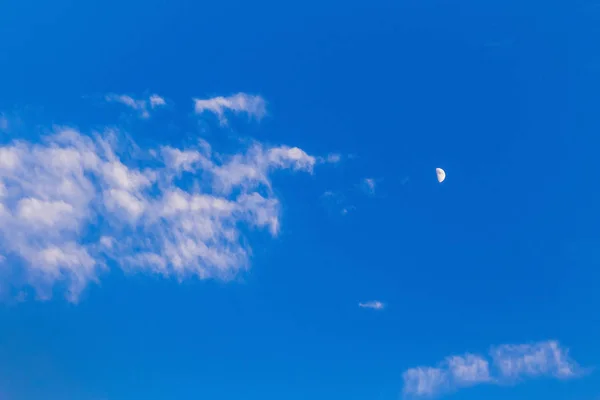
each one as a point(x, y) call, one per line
point(311, 252)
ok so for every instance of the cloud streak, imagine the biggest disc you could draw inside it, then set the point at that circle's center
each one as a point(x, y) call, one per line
point(507, 364)
point(368, 185)
point(375, 305)
point(140, 105)
point(72, 205)
point(252, 105)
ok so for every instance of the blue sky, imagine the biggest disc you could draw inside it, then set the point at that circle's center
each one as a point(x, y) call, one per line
point(224, 200)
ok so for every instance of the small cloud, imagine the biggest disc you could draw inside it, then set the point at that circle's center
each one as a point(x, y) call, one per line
point(139, 105)
point(376, 305)
point(424, 381)
point(331, 158)
point(368, 185)
point(512, 362)
point(455, 372)
point(157, 101)
point(107, 242)
point(334, 158)
point(253, 106)
point(468, 370)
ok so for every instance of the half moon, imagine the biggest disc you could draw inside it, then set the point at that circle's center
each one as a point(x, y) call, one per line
point(441, 175)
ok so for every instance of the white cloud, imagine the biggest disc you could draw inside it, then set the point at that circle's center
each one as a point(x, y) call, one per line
point(468, 369)
point(107, 242)
point(376, 305)
point(157, 101)
point(252, 105)
point(187, 160)
point(141, 106)
point(251, 169)
point(512, 362)
point(425, 381)
point(531, 360)
point(453, 373)
point(71, 205)
point(44, 214)
point(291, 157)
point(9, 158)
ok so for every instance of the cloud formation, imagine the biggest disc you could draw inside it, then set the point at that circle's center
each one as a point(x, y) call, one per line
point(509, 363)
point(368, 185)
point(142, 106)
point(157, 101)
point(253, 106)
point(532, 360)
point(376, 305)
point(72, 204)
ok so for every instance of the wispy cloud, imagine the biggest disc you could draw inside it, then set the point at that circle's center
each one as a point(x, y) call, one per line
point(425, 381)
point(252, 105)
point(332, 158)
point(454, 372)
point(375, 305)
point(157, 101)
point(368, 185)
point(532, 360)
point(508, 364)
point(140, 105)
point(73, 204)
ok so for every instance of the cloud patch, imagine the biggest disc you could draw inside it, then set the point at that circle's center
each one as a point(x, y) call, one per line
point(375, 305)
point(141, 105)
point(532, 360)
point(251, 105)
point(334, 158)
point(72, 205)
point(157, 101)
point(507, 364)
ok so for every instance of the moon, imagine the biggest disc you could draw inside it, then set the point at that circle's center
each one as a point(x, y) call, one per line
point(441, 174)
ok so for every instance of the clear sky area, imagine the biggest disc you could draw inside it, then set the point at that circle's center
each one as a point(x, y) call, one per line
point(235, 200)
